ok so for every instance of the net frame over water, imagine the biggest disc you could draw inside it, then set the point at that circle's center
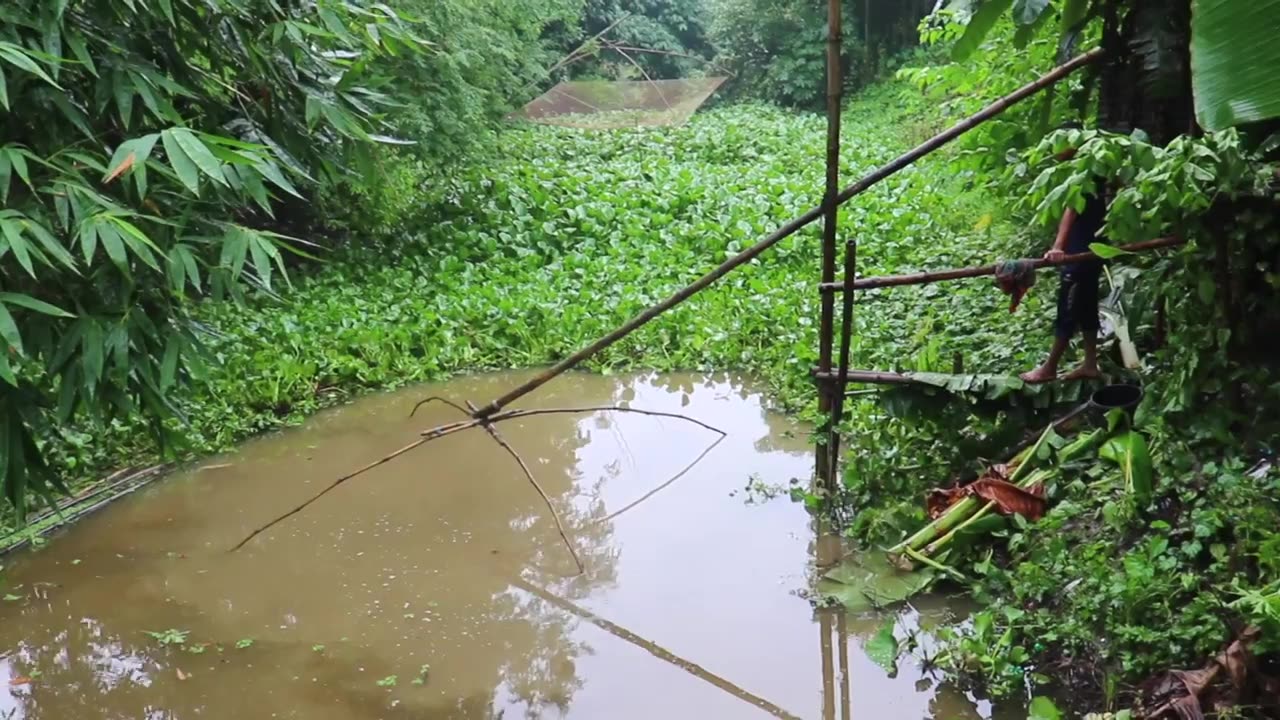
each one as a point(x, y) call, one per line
point(607, 104)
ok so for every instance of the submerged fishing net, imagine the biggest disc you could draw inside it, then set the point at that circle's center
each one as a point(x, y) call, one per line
point(606, 104)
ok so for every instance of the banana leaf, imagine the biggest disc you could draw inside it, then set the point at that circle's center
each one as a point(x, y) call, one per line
point(1234, 56)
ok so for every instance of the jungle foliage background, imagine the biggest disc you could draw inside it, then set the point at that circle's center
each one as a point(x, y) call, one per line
point(217, 216)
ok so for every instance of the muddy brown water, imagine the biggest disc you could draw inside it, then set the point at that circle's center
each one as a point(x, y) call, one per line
point(692, 604)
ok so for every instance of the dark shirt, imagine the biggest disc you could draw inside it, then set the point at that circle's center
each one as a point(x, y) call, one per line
point(1084, 231)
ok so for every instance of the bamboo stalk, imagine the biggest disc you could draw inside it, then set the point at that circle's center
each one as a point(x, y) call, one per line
point(846, 339)
point(873, 377)
point(787, 230)
point(826, 450)
point(933, 276)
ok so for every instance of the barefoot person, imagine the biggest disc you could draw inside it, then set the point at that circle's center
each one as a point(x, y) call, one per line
point(1078, 289)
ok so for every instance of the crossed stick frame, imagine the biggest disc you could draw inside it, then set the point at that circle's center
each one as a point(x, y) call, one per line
point(475, 418)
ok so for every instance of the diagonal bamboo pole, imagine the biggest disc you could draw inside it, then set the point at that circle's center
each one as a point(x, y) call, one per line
point(786, 231)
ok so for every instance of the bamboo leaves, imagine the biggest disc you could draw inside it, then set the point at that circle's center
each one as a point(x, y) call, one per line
point(21, 59)
point(124, 236)
point(181, 163)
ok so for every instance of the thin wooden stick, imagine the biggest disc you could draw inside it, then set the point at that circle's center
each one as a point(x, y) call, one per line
point(663, 486)
point(513, 414)
point(571, 57)
point(497, 437)
point(473, 420)
point(437, 398)
point(932, 276)
point(784, 232)
point(646, 76)
point(426, 438)
point(653, 648)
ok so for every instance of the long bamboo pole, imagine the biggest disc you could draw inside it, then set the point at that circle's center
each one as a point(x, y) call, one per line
point(825, 465)
point(787, 231)
point(933, 276)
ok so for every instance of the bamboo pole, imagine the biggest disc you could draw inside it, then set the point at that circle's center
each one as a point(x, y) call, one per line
point(786, 231)
point(846, 339)
point(933, 276)
point(871, 377)
point(825, 452)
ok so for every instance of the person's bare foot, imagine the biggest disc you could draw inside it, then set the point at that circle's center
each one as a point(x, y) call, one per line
point(1083, 373)
point(1041, 374)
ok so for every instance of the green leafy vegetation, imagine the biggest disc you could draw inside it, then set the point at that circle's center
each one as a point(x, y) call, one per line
point(168, 637)
point(160, 298)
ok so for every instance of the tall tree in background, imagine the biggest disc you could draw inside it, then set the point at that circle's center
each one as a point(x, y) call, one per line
point(775, 47)
point(658, 38)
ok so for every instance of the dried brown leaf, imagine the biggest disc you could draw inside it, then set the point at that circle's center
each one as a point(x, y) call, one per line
point(120, 169)
point(940, 500)
point(1009, 498)
point(23, 680)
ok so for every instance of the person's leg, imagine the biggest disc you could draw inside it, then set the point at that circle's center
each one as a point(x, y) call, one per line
point(1085, 314)
point(1049, 369)
point(1064, 327)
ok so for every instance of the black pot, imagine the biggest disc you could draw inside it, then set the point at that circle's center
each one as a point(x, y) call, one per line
point(1115, 397)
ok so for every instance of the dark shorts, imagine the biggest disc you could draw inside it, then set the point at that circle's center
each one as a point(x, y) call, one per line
point(1078, 300)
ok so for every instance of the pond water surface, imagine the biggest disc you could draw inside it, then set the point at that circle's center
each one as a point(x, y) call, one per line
point(436, 586)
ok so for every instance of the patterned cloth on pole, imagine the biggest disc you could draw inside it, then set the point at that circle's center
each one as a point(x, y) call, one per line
point(1015, 278)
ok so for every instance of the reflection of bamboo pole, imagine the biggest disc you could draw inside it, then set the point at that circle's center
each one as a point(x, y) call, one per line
point(828, 667)
point(652, 648)
point(842, 637)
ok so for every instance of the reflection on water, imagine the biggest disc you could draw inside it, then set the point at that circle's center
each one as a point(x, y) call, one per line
point(444, 570)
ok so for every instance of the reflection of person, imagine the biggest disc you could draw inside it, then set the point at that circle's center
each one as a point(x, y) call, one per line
point(1078, 288)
